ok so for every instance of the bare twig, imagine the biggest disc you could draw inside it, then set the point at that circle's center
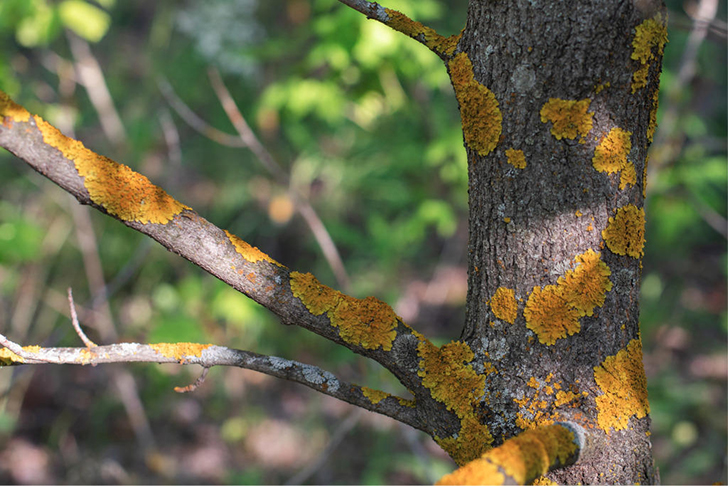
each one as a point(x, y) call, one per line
point(91, 76)
point(440, 45)
point(190, 388)
point(339, 435)
point(208, 355)
point(309, 214)
point(193, 120)
point(76, 325)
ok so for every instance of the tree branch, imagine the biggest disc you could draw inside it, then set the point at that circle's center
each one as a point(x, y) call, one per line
point(207, 356)
point(523, 458)
point(440, 45)
point(366, 326)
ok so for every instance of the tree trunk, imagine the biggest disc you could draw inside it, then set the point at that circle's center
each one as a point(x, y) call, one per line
point(556, 192)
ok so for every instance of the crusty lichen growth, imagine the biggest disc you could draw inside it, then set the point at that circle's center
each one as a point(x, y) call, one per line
point(586, 286)
point(481, 117)
point(652, 124)
point(553, 312)
point(650, 36)
point(179, 351)
point(570, 118)
point(504, 304)
point(12, 110)
point(122, 192)
point(7, 357)
point(625, 231)
point(516, 158)
point(374, 396)
point(451, 380)
point(622, 380)
point(368, 323)
point(610, 156)
point(436, 42)
point(522, 458)
point(248, 252)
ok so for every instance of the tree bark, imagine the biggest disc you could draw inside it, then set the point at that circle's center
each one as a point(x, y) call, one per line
point(529, 225)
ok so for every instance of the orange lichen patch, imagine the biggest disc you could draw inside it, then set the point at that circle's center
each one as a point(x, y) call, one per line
point(569, 117)
point(522, 458)
point(586, 286)
point(374, 396)
point(543, 481)
point(644, 177)
point(369, 322)
point(456, 384)
point(549, 314)
point(553, 313)
point(652, 124)
point(479, 112)
point(601, 87)
point(249, 252)
point(406, 403)
point(611, 156)
point(179, 351)
point(12, 110)
point(488, 368)
point(472, 440)
point(504, 304)
point(436, 42)
point(86, 356)
point(622, 379)
point(650, 34)
point(625, 231)
point(122, 192)
point(450, 380)
point(317, 298)
point(516, 158)
point(7, 357)
point(562, 398)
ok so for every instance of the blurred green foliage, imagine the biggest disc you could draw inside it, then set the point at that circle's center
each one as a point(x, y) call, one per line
point(366, 123)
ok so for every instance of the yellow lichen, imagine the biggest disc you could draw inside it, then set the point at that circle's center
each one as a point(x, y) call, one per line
point(374, 396)
point(611, 156)
point(479, 112)
point(625, 231)
point(179, 351)
point(522, 458)
point(549, 314)
point(652, 124)
point(570, 118)
point(7, 357)
point(248, 252)
point(650, 34)
point(644, 177)
point(504, 304)
point(12, 110)
point(369, 322)
point(622, 380)
point(445, 372)
point(553, 313)
point(543, 481)
point(438, 43)
point(516, 158)
point(122, 192)
point(586, 286)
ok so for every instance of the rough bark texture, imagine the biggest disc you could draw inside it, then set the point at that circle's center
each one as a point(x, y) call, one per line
point(528, 225)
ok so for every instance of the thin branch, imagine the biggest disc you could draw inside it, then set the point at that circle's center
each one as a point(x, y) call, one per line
point(92, 78)
point(193, 120)
point(440, 45)
point(207, 356)
point(76, 325)
point(523, 458)
point(309, 214)
point(199, 381)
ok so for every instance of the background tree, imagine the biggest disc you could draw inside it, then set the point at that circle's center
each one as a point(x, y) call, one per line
point(469, 88)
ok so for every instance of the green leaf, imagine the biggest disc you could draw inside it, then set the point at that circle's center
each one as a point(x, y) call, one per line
point(86, 20)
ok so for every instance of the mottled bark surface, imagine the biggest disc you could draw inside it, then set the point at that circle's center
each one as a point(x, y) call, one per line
point(528, 225)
